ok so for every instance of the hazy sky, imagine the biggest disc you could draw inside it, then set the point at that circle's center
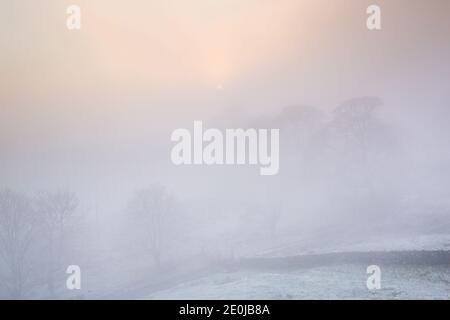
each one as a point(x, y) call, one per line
point(109, 94)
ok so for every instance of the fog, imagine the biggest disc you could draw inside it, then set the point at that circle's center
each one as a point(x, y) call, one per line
point(86, 119)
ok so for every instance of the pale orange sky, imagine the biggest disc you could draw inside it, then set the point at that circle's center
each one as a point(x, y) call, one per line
point(144, 63)
point(98, 105)
point(153, 45)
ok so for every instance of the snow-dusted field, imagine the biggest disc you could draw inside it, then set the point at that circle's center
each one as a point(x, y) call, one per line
point(334, 282)
point(411, 268)
point(297, 246)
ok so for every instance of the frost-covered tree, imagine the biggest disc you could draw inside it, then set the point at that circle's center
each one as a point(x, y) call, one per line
point(354, 139)
point(57, 211)
point(17, 229)
point(355, 122)
point(151, 207)
point(355, 161)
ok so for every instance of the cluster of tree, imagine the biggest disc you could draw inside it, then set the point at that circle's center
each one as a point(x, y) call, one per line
point(36, 234)
point(335, 164)
point(32, 238)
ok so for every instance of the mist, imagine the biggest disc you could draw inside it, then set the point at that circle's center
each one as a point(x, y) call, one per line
point(86, 119)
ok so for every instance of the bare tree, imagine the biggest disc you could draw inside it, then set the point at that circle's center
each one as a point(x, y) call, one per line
point(354, 119)
point(57, 210)
point(152, 207)
point(17, 226)
point(356, 148)
point(354, 137)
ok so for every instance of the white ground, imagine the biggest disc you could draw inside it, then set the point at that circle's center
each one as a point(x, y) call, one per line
point(300, 246)
point(338, 282)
